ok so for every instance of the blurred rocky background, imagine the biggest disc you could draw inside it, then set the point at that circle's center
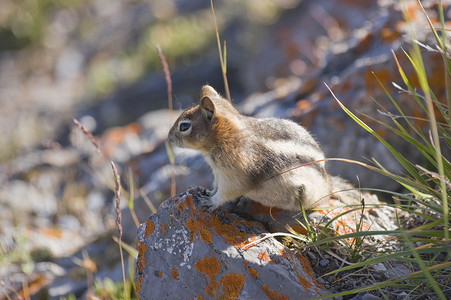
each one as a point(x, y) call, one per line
point(96, 61)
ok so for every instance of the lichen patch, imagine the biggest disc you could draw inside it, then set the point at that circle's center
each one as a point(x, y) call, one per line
point(204, 223)
point(141, 262)
point(252, 272)
point(174, 273)
point(150, 227)
point(272, 294)
point(209, 266)
point(263, 256)
point(232, 285)
point(305, 265)
point(304, 282)
point(163, 229)
point(196, 227)
point(139, 281)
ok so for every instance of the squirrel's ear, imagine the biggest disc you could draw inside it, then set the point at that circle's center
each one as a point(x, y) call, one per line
point(208, 91)
point(208, 107)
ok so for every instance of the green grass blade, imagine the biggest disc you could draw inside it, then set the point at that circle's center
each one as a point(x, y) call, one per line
point(412, 276)
point(425, 270)
point(426, 150)
point(386, 257)
point(439, 41)
point(418, 132)
point(130, 198)
point(401, 159)
point(169, 153)
point(421, 73)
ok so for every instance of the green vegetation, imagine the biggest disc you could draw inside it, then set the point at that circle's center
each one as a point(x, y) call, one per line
point(427, 247)
point(23, 23)
point(19, 255)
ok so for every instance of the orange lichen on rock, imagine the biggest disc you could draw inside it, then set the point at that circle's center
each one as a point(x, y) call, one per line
point(163, 229)
point(347, 222)
point(272, 294)
point(305, 265)
point(232, 285)
point(389, 35)
point(117, 135)
point(174, 273)
point(307, 270)
point(247, 244)
point(252, 272)
point(204, 222)
point(303, 104)
point(141, 262)
point(139, 281)
point(160, 274)
point(263, 256)
point(209, 266)
point(194, 226)
point(282, 252)
point(51, 232)
point(187, 203)
point(149, 228)
point(232, 235)
point(304, 282)
point(364, 43)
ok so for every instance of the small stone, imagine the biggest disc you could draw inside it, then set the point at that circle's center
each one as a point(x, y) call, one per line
point(311, 255)
point(402, 295)
point(379, 267)
point(69, 222)
point(324, 262)
point(320, 281)
point(369, 296)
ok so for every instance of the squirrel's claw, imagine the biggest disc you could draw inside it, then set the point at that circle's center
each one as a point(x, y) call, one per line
point(205, 201)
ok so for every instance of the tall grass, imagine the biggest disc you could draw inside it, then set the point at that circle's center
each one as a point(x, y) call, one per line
point(222, 57)
point(123, 290)
point(167, 76)
point(427, 246)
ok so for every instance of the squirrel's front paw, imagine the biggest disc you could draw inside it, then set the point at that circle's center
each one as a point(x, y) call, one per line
point(209, 201)
point(205, 201)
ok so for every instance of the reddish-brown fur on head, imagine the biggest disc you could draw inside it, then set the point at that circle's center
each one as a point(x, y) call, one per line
point(213, 124)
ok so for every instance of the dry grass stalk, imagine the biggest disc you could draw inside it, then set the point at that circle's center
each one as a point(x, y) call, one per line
point(89, 135)
point(167, 75)
point(119, 219)
point(221, 57)
point(169, 84)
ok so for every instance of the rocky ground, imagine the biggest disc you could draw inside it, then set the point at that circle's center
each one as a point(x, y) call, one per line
point(96, 62)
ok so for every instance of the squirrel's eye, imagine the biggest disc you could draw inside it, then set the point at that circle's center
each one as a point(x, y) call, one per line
point(184, 126)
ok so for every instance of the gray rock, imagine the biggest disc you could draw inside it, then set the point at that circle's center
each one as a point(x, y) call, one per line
point(324, 262)
point(379, 267)
point(186, 252)
point(366, 296)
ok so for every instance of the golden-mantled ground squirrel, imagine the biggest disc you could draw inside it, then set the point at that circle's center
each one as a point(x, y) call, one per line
point(267, 160)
